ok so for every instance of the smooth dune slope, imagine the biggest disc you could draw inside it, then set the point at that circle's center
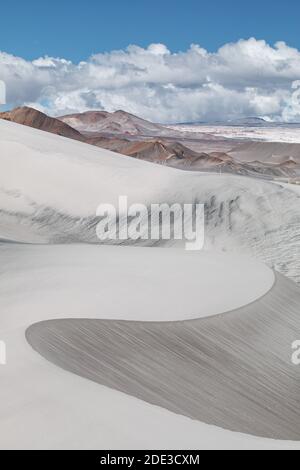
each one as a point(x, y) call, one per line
point(233, 370)
point(231, 367)
point(59, 410)
point(123, 283)
point(50, 188)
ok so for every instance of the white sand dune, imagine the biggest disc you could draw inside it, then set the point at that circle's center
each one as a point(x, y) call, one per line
point(59, 410)
point(290, 187)
point(50, 188)
point(233, 370)
point(124, 283)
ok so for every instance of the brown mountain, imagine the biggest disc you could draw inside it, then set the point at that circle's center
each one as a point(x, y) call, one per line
point(85, 122)
point(125, 124)
point(118, 122)
point(173, 154)
point(33, 118)
point(164, 150)
point(155, 150)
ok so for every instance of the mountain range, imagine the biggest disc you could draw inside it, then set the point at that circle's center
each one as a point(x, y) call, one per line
point(132, 136)
point(33, 118)
point(118, 122)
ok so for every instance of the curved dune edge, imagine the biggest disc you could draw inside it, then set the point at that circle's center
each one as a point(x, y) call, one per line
point(233, 370)
point(124, 283)
point(243, 215)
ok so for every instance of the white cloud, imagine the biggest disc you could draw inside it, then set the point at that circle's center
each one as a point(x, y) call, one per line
point(2, 92)
point(245, 78)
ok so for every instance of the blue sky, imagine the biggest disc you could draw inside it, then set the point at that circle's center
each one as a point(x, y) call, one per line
point(68, 56)
point(76, 29)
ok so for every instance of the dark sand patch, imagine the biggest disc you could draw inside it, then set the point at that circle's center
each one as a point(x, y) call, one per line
point(232, 370)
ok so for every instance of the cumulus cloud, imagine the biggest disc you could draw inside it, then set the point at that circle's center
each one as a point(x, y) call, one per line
point(247, 78)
